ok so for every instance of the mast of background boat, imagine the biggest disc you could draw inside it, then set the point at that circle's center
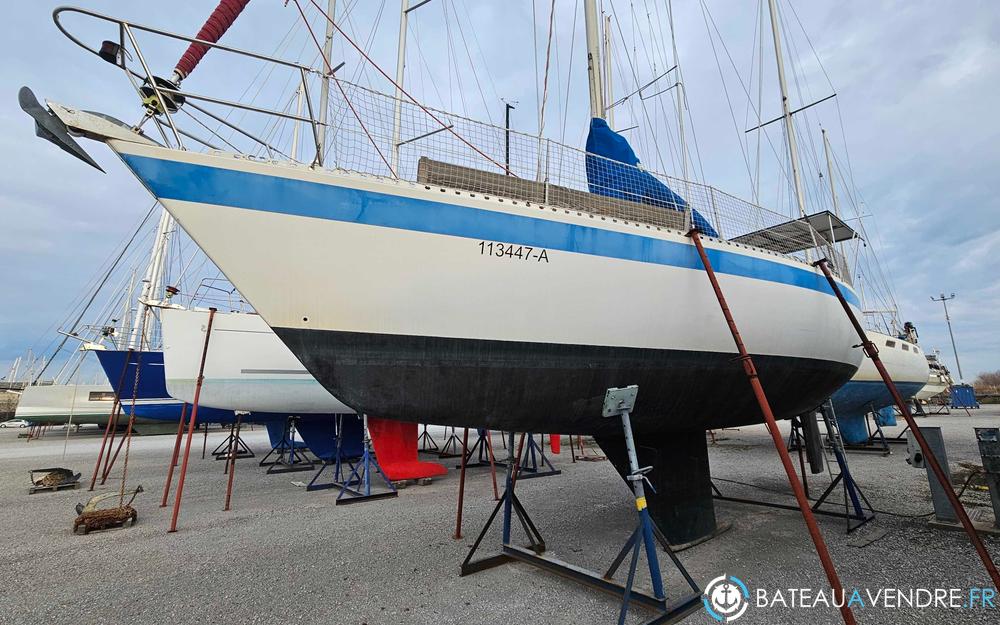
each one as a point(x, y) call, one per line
point(597, 108)
point(793, 151)
point(404, 13)
point(833, 188)
point(324, 90)
point(153, 282)
point(680, 94)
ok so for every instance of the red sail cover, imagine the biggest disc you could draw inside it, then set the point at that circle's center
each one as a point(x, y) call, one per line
point(396, 449)
point(215, 26)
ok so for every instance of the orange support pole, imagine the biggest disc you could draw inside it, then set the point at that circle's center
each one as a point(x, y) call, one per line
point(173, 457)
point(493, 465)
point(872, 352)
point(111, 441)
point(233, 450)
point(112, 417)
point(779, 444)
point(191, 423)
point(100, 454)
point(461, 484)
point(121, 441)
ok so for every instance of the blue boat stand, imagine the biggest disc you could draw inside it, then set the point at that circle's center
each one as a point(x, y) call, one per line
point(644, 536)
point(534, 463)
point(357, 486)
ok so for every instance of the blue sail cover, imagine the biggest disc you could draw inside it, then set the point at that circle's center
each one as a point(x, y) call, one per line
point(627, 181)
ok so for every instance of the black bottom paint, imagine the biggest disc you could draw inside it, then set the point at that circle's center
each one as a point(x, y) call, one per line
point(541, 387)
point(538, 387)
point(682, 505)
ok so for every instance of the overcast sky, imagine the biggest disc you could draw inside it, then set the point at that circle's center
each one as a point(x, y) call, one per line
point(916, 85)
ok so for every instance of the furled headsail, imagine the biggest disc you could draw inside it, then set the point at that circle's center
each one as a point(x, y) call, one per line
point(613, 171)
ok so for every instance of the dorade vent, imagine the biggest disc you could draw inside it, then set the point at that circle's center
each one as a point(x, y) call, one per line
point(437, 173)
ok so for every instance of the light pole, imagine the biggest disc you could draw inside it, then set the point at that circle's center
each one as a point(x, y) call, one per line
point(944, 302)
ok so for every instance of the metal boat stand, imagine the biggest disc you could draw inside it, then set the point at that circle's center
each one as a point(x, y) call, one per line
point(857, 509)
point(618, 403)
point(339, 462)
point(234, 447)
point(426, 442)
point(451, 444)
point(877, 442)
point(358, 485)
point(534, 463)
point(290, 457)
point(871, 351)
point(484, 448)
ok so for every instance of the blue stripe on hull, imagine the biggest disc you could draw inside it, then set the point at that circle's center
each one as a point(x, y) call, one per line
point(211, 185)
point(855, 399)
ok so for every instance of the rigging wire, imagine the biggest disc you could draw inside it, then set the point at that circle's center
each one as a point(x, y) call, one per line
point(93, 295)
point(569, 75)
point(446, 127)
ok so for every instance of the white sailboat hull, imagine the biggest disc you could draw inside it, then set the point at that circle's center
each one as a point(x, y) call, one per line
point(397, 298)
point(247, 367)
point(66, 403)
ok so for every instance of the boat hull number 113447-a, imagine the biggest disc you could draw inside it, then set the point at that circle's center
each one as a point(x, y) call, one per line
point(515, 252)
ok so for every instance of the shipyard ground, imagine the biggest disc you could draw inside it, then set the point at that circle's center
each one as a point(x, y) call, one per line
point(284, 555)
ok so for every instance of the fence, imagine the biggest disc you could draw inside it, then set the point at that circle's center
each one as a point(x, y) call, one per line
point(374, 133)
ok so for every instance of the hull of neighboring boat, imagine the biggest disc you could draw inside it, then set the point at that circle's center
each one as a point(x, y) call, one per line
point(866, 392)
point(430, 304)
point(938, 380)
point(153, 401)
point(247, 367)
point(933, 388)
point(66, 403)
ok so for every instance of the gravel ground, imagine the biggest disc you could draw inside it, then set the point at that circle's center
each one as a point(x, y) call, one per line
point(285, 555)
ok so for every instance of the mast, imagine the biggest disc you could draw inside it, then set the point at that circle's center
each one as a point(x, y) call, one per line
point(609, 87)
point(324, 89)
point(594, 59)
point(680, 93)
point(793, 151)
point(404, 13)
point(829, 173)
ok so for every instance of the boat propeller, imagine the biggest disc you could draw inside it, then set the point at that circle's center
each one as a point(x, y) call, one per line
point(51, 128)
